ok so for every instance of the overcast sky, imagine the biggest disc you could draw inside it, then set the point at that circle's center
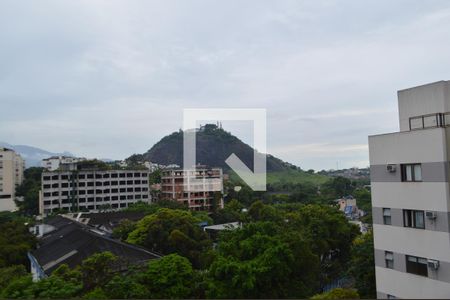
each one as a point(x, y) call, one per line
point(110, 78)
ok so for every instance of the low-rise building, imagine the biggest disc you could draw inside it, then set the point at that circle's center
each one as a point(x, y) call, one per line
point(11, 175)
point(68, 242)
point(199, 189)
point(53, 163)
point(92, 190)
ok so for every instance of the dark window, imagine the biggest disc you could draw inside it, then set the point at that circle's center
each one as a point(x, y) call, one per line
point(389, 259)
point(416, 265)
point(64, 177)
point(81, 176)
point(122, 175)
point(90, 184)
point(413, 218)
point(46, 177)
point(114, 198)
point(137, 174)
point(90, 176)
point(81, 184)
point(114, 175)
point(411, 172)
point(387, 216)
point(105, 175)
point(122, 182)
point(122, 190)
point(98, 183)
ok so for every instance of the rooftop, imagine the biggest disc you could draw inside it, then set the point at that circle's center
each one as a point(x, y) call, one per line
point(72, 242)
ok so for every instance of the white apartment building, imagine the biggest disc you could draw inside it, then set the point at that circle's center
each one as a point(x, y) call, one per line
point(92, 190)
point(194, 188)
point(11, 175)
point(410, 197)
point(53, 163)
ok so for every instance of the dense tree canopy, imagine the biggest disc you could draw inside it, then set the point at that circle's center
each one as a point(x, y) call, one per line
point(172, 231)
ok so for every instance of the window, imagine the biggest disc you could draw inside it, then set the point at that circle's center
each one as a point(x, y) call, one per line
point(411, 172)
point(389, 259)
point(387, 216)
point(413, 218)
point(416, 265)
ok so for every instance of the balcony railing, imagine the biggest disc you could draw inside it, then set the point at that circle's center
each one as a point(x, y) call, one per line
point(429, 121)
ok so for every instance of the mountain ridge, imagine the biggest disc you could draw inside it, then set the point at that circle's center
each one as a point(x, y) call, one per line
point(33, 155)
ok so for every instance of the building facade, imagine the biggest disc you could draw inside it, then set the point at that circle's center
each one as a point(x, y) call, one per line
point(410, 197)
point(199, 189)
point(92, 190)
point(11, 175)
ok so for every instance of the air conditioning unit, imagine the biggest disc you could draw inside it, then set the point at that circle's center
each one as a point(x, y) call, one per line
point(433, 264)
point(391, 168)
point(431, 215)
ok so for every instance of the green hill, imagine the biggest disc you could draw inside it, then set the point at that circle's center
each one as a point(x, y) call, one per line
point(214, 146)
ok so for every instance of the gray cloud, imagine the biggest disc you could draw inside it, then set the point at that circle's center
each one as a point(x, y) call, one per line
point(109, 78)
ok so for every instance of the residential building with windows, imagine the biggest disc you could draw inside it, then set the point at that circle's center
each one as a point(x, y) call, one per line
point(11, 175)
point(92, 190)
point(411, 197)
point(199, 189)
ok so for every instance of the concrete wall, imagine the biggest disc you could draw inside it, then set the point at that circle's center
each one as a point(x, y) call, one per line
point(421, 100)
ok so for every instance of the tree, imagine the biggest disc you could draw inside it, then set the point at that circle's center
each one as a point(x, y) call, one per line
point(18, 288)
point(124, 228)
point(338, 293)
point(172, 231)
point(126, 287)
point(12, 273)
point(170, 277)
point(29, 190)
point(330, 236)
point(339, 187)
point(16, 241)
point(262, 260)
point(363, 265)
point(155, 177)
point(98, 269)
point(54, 287)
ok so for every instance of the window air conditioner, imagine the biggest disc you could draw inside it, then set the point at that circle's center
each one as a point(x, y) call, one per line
point(391, 168)
point(433, 264)
point(431, 215)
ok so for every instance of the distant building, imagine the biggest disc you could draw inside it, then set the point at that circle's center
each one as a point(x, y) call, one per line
point(92, 190)
point(67, 242)
point(11, 175)
point(53, 163)
point(410, 197)
point(176, 184)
